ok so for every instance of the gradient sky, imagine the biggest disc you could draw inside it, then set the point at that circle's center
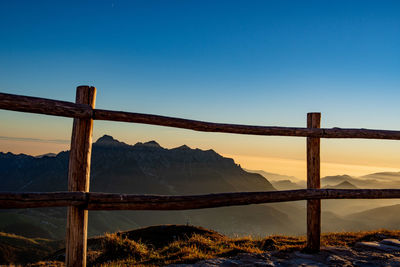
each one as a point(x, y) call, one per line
point(247, 62)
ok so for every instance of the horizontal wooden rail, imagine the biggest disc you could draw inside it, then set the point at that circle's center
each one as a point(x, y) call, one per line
point(12, 200)
point(112, 201)
point(73, 110)
point(44, 106)
point(243, 129)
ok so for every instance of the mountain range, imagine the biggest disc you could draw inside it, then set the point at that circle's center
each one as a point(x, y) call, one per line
point(148, 168)
point(143, 168)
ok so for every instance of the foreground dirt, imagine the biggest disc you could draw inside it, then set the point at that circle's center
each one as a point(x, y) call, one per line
point(329, 256)
point(360, 255)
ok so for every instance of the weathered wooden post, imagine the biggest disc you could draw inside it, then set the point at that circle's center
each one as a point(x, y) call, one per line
point(313, 182)
point(78, 180)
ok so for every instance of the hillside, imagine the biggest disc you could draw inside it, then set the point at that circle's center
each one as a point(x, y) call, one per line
point(342, 185)
point(148, 168)
point(374, 180)
point(275, 176)
point(152, 169)
point(382, 217)
point(20, 249)
point(187, 244)
point(384, 176)
point(143, 168)
point(286, 185)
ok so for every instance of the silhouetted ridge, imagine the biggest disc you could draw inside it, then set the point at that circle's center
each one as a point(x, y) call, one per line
point(148, 146)
point(183, 147)
point(107, 140)
point(152, 144)
point(342, 185)
point(51, 155)
point(143, 168)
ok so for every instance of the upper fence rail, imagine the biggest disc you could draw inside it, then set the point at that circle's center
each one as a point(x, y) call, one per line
point(82, 111)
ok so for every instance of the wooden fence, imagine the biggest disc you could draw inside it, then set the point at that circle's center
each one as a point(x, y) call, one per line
point(79, 200)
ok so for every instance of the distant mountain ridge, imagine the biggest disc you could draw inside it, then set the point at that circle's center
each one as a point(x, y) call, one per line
point(143, 168)
point(148, 168)
point(274, 176)
point(342, 185)
point(374, 180)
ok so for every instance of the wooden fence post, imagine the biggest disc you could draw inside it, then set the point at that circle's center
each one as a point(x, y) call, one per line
point(78, 180)
point(313, 182)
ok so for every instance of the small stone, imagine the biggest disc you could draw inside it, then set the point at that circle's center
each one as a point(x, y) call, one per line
point(394, 262)
point(391, 242)
point(376, 245)
point(335, 259)
point(304, 256)
point(246, 256)
point(305, 262)
point(230, 263)
point(363, 263)
point(266, 263)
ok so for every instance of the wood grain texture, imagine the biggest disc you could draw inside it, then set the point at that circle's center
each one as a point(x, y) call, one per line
point(107, 201)
point(202, 126)
point(78, 110)
point(313, 182)
point(78, 180)
point(44, 106)
point(13, 200)
point(113, 201)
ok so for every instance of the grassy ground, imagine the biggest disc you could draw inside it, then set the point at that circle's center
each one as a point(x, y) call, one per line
point(18, 249)
point(119, 250)
point(167, 244)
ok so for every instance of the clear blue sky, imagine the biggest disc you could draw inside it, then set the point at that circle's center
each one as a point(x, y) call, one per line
point(250, 62)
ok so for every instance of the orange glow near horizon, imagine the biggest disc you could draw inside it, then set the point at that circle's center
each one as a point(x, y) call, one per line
point(297, 168)
point(32, 148)
point(34, 135)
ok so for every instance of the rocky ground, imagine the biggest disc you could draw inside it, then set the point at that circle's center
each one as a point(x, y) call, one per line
point(363, 254)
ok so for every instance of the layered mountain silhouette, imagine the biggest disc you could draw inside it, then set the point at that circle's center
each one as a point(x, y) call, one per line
point(374, 180)
point(148, 168)
point(342, 185)
point(286, 185)
point(143, 168)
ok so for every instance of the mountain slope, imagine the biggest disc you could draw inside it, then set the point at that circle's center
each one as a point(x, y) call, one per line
point(375, 180)
point(384, 176)
point(286, 185)
point(19, 249)
point(376, 218)
point(342, 185)
point(274, 176)
point(144, 168)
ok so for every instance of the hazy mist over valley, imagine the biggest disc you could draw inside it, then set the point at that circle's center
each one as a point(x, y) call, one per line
point(148, 168)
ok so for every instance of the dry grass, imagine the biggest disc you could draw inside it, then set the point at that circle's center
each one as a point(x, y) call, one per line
point(120, 251)
point(198, 247)
point(14, 248)
point(348, 239)
point(192, 244)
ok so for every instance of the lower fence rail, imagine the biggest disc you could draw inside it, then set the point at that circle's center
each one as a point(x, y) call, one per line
point(112, 201)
